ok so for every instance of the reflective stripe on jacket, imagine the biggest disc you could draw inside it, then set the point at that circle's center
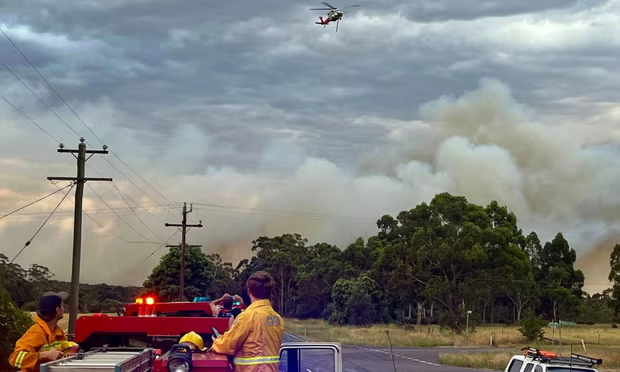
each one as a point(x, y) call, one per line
point(254, 339)
point(37, 339)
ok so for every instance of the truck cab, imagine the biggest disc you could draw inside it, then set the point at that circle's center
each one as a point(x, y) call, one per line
point(536, 360)
point(294, 357)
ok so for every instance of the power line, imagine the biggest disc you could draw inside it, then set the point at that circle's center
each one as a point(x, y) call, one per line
point(100, 225)
point(103, 298)
point(82, 121)
point(296, 215)
point(26, 116)
point(92, 211)
point(45, 80)
point(157, 191)
point(134, 212)
point(119, 216)
point(36, 201)
point(39, 98)
point(146, 210)
point(129, 179)
point(54, 112)
point(40, 228)
point(312, 215)
point(138, 204)
point(158, 248)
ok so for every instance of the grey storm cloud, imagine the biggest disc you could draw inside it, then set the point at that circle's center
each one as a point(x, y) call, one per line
point(445, 10)
point(236, 101)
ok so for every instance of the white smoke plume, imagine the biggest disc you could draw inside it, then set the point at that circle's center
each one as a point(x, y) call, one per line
point(482, 145)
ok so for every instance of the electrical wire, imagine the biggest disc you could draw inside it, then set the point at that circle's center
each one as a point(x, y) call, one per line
point(133, 200)
point(27, 117)
point(301, 216)
point(103, 298)
point(45, 80)
point(103, 227)
point(46, 105)
point(44, 222)
point(91, 211)
point(134, 212)
point(87, 127)
point(283, 213)
point(116, 213)
point(39, 98)
point(36, 201)
point(158, 248)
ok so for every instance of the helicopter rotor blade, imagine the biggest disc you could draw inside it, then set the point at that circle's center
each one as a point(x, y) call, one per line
point(320, 9)
point(326, 4)
point(350, 6)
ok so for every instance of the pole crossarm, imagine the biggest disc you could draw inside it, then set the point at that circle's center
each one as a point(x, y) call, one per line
point(181, 225)
point(86, 152)
point(77, 179)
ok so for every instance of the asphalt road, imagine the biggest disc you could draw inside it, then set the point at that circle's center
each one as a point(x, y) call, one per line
point(373, 359)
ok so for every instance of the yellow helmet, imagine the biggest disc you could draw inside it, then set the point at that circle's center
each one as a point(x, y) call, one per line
point(194, 339)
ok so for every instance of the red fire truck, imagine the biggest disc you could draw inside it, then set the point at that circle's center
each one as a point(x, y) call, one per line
point(196, 308)
point(149, 323)
point(146, 340)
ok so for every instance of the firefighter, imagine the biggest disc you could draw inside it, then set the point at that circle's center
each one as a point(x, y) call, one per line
point(255, 336)
point(45, 341)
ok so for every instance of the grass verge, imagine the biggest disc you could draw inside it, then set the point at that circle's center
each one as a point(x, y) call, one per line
point(429, 336)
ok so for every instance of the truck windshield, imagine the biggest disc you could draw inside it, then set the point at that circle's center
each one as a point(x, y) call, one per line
point(568, 369)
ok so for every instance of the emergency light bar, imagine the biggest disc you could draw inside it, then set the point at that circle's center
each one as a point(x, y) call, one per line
point(146, 307)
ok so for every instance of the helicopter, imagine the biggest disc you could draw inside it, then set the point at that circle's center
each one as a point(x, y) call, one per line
point(334, 14)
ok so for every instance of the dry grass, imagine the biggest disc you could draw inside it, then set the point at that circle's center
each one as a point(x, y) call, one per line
point(428, 336)
point(498, 360)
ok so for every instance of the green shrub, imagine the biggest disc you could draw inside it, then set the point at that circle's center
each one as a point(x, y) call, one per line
point(13, 324)
point(532, 327)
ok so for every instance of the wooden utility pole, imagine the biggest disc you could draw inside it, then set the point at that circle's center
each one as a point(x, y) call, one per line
point(184, 227)
point(77, 222)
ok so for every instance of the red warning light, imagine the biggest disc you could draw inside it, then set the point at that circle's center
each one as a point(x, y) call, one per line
point(139, 300)
point(150, 300)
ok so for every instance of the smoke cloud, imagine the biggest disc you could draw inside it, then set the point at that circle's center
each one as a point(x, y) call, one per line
point(483, 145)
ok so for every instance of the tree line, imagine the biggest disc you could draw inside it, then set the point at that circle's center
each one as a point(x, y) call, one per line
point(25, 286)
point(428, 265)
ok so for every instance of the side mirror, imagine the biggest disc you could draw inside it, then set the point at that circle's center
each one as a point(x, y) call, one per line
point(310, 356)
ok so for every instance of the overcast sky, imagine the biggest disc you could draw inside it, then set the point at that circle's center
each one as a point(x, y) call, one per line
point(270, 123)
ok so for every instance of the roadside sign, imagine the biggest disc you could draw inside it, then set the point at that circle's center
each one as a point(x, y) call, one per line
point(553, 325)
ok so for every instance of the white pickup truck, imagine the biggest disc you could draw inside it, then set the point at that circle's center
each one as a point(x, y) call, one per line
point(535, 360)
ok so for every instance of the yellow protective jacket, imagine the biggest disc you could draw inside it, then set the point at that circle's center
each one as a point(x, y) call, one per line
point(37, 339)
point(254, 339)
